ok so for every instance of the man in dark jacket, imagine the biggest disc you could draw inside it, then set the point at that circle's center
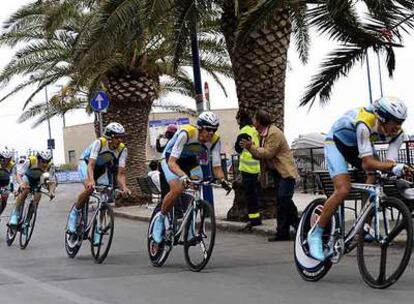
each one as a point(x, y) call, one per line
point(276, 161)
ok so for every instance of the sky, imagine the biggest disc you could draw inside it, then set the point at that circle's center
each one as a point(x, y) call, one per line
point(349, 92)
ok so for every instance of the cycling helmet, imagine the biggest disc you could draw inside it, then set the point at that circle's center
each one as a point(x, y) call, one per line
point(390, 108)
point(6, 154)
point(44, 155)
point(114, 129)
point(208, 119)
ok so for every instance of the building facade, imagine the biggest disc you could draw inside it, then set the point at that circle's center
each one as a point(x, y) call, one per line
point(76, 138)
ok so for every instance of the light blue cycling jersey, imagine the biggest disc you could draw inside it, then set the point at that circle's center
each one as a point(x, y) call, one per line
point(104, 156)
point(351, 138)
point(186, 147)
point(185, 144)
point(359, 128)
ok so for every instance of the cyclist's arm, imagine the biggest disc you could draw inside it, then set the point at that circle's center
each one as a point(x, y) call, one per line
point(366, 151)
point(21, 171)
point(96, 147)
point(91, 168)
point(176, 151)
point(52, 179)
point(174, 167)
point(121, 178)
point(216, 161)
point(394, 146)
point(121, 175)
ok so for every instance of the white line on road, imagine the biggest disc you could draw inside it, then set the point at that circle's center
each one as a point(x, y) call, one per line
point(67, 295)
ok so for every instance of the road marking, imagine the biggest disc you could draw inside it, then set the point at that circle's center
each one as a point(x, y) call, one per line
point(67, 295)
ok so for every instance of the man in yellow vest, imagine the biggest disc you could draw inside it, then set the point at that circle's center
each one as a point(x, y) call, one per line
point(249, 168)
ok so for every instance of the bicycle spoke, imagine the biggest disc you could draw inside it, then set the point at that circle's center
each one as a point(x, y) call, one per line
point(394, 233)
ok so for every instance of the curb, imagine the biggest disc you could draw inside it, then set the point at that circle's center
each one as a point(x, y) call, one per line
point(221, 225)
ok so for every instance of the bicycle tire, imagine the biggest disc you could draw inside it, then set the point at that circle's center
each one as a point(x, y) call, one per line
point(73, 241)
point(309, 268)
point(158, 253)
point(206, 211)
point(25, 236)
point(96, 251)
point(381, 281)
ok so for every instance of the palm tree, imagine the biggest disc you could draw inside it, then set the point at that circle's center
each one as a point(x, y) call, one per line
point(379, 28)
point(123, 48)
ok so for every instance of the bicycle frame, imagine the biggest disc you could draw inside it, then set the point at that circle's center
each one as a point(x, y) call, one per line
point(195, 193)
point(101, 197)
point(375, 192)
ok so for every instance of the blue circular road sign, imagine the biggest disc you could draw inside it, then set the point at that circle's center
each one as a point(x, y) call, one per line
point(100, 101)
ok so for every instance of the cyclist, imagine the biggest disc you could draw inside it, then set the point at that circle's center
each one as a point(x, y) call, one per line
point(29, 175)
point(350, 140)
point(181, 160)
point(6, 173)
point(107, 155)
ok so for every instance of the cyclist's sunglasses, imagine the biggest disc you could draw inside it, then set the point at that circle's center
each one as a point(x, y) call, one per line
point(210, 130)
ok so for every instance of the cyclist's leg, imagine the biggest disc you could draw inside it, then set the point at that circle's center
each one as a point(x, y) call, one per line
point(3, 202)
point(338, 169)
point(24, 191)
point(83, 198)
point(176, 189)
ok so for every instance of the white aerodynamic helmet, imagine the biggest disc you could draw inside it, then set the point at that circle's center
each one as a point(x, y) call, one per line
point(6, 153)
point(44, 155)
point(208, 119)
point(390, 108)
point(114, 129)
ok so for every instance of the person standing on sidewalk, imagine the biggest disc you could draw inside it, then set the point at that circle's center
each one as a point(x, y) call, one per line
point(277, 163)
point(169, 133)
point(249, 168)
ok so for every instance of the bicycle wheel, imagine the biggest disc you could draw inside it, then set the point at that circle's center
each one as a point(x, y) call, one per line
point(103, 228)
point(158, 253)
point(309, 268)
point(73, 241)
point(28, 225)
point(199, 235)
point(381, 261)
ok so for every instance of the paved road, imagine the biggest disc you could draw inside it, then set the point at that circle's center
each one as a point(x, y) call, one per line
point(244, 269)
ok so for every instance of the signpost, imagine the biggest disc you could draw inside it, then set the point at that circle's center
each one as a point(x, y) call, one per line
point(99, 103)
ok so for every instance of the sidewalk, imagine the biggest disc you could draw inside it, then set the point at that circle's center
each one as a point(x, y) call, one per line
point(222, 204)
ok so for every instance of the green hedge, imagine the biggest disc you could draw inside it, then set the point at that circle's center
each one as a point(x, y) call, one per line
point(67, 167)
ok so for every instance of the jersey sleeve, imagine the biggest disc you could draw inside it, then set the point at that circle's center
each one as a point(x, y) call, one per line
point(23, 168)
point(215, 154)
point(363, 134)
point(179, 144)
point(394, 147)
point(123, 158)
point(96, 147)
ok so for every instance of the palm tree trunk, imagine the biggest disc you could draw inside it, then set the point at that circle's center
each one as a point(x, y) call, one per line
point(132, 95)
point(260, 64)
point(259, 67)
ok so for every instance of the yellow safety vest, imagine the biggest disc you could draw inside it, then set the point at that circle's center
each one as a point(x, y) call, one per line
point(247, 163)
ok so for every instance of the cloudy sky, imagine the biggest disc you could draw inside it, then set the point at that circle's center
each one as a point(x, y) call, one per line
point(348, 93)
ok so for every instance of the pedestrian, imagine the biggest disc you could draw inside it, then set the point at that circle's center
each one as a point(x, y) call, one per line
point(277, 163)
point(169, 133)
point(249, 168)
point(154, 174)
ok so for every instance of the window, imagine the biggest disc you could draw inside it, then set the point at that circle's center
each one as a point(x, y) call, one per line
point(72, 156)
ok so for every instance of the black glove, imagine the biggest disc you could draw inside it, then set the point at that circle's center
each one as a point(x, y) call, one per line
point(226, 185)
